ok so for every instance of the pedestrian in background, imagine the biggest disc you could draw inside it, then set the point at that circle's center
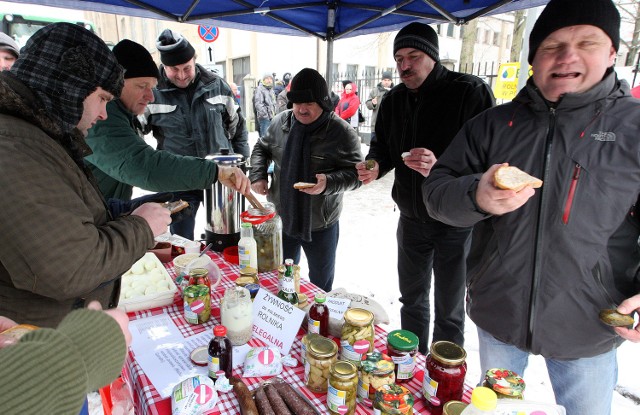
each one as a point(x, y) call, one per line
point(375, 97)
point(9, 51)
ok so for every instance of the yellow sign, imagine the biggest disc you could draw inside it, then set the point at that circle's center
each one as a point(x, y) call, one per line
point(507, 82)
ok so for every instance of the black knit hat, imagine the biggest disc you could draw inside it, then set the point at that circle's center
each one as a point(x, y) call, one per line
point(346, 82)
point(418, 36)
point(135, 59)
point(563, 13)
point(174, 48)
point(309, 86)
point(63, 63)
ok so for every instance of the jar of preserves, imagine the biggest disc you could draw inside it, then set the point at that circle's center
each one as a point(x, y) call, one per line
point(304, 343)
point(505, 383)
point(444, 377)
point(402, 346)
point(453, 408)
point(248, 275)
point(376, 369)
point(267, 231)
point(393, 400)
point(199, 276)
point(197, 304)
point(343, 385)
point(357, 335)
point(322, 353)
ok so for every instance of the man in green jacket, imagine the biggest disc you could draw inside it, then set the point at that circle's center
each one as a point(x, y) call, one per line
point(121, 158)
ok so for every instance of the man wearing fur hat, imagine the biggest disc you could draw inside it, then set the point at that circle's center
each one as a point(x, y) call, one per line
point(544, 262)
point(9, 51)
point(308, 143)
point(194, 113)
point(122, 159)
point(416, 122)
point(60, 247)
point(375, 97)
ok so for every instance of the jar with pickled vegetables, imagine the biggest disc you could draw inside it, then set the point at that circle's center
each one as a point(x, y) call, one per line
point(505, 383)
point(393, 400)
point(321, 354)
point(343, 385)
point(376, 369)
point(267, 231)
point(304, 343)
point(444, 377)
point(402, 346)
point(357, 335)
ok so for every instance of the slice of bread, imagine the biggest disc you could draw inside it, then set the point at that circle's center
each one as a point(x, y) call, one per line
point(512, 178)
point(303, 185)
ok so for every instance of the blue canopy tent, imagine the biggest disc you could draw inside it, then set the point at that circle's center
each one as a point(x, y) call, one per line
point(329, 20)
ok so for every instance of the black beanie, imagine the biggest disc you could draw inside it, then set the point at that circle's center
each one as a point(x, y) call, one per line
point(174, 48)
point(135, 59)
point(386, 75)
point(563, 13)
point(418, 36)
point(346, 82)
point(309, 86)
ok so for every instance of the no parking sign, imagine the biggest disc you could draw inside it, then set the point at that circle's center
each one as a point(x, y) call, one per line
point(208, 33)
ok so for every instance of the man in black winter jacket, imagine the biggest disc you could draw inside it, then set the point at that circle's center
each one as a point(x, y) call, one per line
point(416, 122)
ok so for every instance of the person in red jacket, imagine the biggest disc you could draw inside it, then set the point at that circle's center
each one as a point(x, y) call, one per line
point(349, 103)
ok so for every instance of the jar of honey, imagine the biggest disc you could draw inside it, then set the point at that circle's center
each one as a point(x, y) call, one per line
point(444, 377)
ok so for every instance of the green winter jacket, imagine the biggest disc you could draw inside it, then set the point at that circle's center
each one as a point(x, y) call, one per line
point(121, 159)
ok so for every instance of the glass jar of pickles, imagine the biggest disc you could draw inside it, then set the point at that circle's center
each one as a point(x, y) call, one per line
point(505, 383)
point(393, 400)
point(357, 335)
point(321, 354)
point(402, 346)
point(199, 276)
point(376, 369)
point(197, 304)
point(444, 377)
point(343, 385)
point(267, 231)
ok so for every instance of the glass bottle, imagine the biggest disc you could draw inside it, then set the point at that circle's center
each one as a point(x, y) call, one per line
point(444, 377)
point(236, 313)
point(220, 353)
point(318, 318)
point(288, 290)
point(247, 247)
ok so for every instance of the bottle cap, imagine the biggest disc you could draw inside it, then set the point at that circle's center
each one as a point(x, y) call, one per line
point(220, 331)
point(484, 398)
point(320, 298)
point(246, 225)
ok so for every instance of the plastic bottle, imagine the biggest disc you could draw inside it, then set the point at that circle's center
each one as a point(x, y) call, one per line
point(318, 318)
point(220, 353)
point(247, 247)
point(288, 290)
point(483, 402)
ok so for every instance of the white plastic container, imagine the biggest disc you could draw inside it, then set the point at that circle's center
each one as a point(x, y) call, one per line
point(483, 402)
point(525, 407)
point(247, 247)
point(146, 273)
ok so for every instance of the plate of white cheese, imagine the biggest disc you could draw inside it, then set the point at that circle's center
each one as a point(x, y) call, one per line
point(145, 285)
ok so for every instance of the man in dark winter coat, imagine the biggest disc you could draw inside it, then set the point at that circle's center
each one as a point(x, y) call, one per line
point(544, 262)
point(416, 122)
point(375, 97)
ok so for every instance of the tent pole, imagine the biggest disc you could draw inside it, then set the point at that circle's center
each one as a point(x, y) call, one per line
point(331, 25)
point(329, 70)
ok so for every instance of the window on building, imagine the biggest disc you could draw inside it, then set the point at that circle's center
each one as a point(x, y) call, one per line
point(478, 35)
point(370, 75)
point(450, 28)
point(241, 67)
point(439, 29)
point(496, 39)
point(508, 45)
point(352, 72)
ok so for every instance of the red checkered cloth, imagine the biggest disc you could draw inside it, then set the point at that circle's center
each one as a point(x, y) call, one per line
point(147, 400)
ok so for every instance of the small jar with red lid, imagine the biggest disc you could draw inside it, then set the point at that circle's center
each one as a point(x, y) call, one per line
point(444, 377)
point(402, 346)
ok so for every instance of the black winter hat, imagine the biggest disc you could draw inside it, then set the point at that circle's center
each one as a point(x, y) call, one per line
point(309, 86)
point(563, 13)
point(418, 36)
point(346, 82)
point(174, 48)
point(135, 59)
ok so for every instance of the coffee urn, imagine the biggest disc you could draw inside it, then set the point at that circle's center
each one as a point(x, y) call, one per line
point(223, 206)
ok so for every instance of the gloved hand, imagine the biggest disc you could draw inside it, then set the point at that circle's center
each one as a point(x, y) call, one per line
point(119, 207)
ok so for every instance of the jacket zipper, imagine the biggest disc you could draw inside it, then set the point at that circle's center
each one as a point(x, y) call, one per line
point(572, 191)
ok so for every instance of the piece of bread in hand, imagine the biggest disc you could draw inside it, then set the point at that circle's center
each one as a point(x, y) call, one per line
point(512, 178)
point(303, 185)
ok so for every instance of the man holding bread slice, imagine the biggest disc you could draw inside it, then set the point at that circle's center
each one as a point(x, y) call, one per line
point(416, 121)
point(545, 262)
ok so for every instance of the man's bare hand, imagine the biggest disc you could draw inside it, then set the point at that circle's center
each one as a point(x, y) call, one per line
point(157, 216)
point(497, 201)
point(421, 160)
point(260, 187)
point(365, 175)
point(628, 306)
point(234, 178)
point(320, 186)
point(119, 316)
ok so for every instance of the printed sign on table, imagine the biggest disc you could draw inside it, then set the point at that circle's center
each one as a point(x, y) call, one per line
point(275, 322)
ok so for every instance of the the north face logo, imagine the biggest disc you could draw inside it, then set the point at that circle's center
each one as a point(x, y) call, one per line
point(604, 136)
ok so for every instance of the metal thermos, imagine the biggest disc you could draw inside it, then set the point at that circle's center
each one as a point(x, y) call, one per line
point(223, 206)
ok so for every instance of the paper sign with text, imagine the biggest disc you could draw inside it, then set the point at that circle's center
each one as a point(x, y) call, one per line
point(275, 322)
point(337, 307)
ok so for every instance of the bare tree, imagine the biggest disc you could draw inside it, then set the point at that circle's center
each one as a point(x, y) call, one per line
point(630, 13)
point(519, 20)
point(469, 31)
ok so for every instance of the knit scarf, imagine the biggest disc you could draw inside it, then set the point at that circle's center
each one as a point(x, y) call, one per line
point(295, 206)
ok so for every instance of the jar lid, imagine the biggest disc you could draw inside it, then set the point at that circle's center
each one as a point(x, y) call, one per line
point(448, 353)
point(200, 356)
point(377, 363)
point(394, 399)
point(358, 317)
point(453, 408)
point(403, 340)
point(343, 369)
point(321, 347)
point(505, 382)
point(320, 298)
point(198, 272)
point(199, 290)
point(484, 399)
point(248, 271)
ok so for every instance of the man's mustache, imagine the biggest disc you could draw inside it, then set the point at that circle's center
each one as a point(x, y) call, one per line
point(406, 73)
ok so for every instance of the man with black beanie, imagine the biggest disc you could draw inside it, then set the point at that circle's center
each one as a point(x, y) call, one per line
point(310, 144)
point(122, 159)
point(416, 122)
point(545, 262)
point(194, 113)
